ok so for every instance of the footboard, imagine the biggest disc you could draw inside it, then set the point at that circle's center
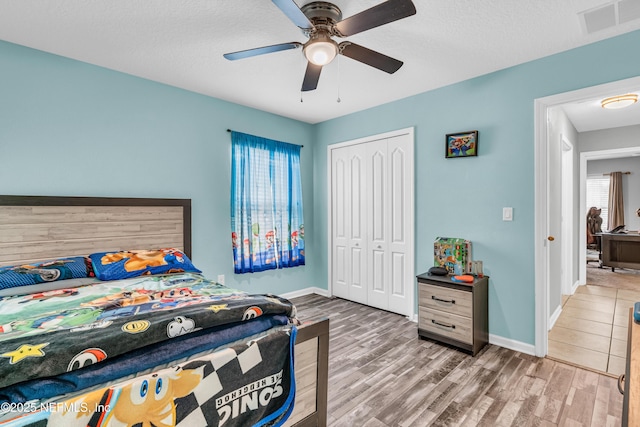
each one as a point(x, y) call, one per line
point(312, 365)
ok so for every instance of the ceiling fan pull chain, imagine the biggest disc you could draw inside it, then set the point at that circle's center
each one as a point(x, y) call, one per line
point(339, 60)
point(303, 64)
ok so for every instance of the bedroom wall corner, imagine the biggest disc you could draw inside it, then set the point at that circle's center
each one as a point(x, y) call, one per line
point(464, 197)
point(74, 129)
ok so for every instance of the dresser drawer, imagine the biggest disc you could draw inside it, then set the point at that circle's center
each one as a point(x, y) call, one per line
point(449, 325)
point(445, 299)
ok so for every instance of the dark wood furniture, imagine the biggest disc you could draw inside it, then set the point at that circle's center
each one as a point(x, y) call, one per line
point(631, 377)
point(621, 250)
point(452, 312)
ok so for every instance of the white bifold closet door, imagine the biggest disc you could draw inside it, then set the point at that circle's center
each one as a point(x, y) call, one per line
point(349, 224)
point(372, 223)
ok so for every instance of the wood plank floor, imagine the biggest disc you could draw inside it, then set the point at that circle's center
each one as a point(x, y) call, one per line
point(382, 374)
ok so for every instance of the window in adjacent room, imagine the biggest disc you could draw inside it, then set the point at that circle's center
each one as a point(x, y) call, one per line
point(267, 226)
point(598, 195)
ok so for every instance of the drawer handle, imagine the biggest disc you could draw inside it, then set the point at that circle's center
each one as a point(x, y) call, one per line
point(443, 324)
point(448, 301)
point(620, 386)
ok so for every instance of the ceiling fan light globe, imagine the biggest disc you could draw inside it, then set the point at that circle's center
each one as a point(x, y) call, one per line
point(321, 52)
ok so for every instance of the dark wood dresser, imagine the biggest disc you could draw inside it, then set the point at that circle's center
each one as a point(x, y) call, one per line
point(454, 313)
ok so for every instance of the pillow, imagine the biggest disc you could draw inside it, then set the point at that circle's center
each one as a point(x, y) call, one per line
point(49, 271)
point(49, 286)
point(124, 264)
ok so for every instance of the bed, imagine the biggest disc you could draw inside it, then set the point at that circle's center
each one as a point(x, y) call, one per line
point(187, 350)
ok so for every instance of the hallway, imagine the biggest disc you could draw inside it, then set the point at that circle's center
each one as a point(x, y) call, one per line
point(592, 328)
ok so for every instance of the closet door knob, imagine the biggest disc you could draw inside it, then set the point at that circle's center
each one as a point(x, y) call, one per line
point(379, 247)
point(551, 238)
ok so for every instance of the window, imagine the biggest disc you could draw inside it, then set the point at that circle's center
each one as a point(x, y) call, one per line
point(267, 226)
point(598, 196)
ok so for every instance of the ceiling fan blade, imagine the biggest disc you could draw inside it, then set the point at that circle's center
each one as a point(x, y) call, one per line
point(384, 13)
point(261, 50)
point(293, 12)
point(311, 77)
point(370, 57)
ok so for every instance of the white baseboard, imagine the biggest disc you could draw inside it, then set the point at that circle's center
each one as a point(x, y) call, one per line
point(305, 291)
point(574, 287)
point(554, 316)
point(512, 344)
point(493, 339)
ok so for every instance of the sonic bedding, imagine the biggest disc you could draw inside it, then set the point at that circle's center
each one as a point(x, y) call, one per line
point(153, 350)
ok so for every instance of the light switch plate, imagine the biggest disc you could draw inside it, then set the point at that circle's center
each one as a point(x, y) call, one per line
point(507, 214)
point(221, 279)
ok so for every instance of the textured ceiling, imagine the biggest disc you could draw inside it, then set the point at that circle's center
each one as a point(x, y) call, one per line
point(181, 42)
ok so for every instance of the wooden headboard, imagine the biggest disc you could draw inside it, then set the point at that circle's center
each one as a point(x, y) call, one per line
point(37, 228)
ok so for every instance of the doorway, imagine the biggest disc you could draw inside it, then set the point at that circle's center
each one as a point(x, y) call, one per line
point(591, 330)
point(544, 264)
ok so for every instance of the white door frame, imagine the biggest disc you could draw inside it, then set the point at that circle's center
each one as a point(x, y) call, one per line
point(541, 140)
point(411, 256)
point(568, 211)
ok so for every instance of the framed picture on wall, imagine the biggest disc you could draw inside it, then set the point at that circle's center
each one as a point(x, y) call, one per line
point(461, 144)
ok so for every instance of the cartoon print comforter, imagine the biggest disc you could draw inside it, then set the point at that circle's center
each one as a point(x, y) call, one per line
point(248, 384)
point(59, 332)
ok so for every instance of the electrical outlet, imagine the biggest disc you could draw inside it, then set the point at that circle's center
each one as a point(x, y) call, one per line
point(221, 279)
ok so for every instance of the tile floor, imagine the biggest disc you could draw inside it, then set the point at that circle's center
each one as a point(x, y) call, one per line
point(592, 328)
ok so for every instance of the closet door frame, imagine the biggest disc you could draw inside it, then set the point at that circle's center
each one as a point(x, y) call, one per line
point(410, 309)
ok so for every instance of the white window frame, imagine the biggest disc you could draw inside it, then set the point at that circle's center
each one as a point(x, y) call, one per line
point(598, 195)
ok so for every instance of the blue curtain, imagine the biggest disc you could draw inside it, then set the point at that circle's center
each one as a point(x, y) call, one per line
point(267, 226)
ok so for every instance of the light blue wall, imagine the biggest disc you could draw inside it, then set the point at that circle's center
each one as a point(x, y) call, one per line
point(70, 128)
point(147, 139)
point(464, 197)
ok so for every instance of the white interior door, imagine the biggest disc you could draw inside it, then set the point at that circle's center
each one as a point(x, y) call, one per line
point(372, 204)
point(400, 242)
point(389, 174)
point(349, 245)
point(339, 217)
point(554, 225)
point(378, 223)
point(568, 209)
point(358, 231)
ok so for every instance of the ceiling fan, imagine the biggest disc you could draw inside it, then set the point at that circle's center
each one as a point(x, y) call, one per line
point(320, 21)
